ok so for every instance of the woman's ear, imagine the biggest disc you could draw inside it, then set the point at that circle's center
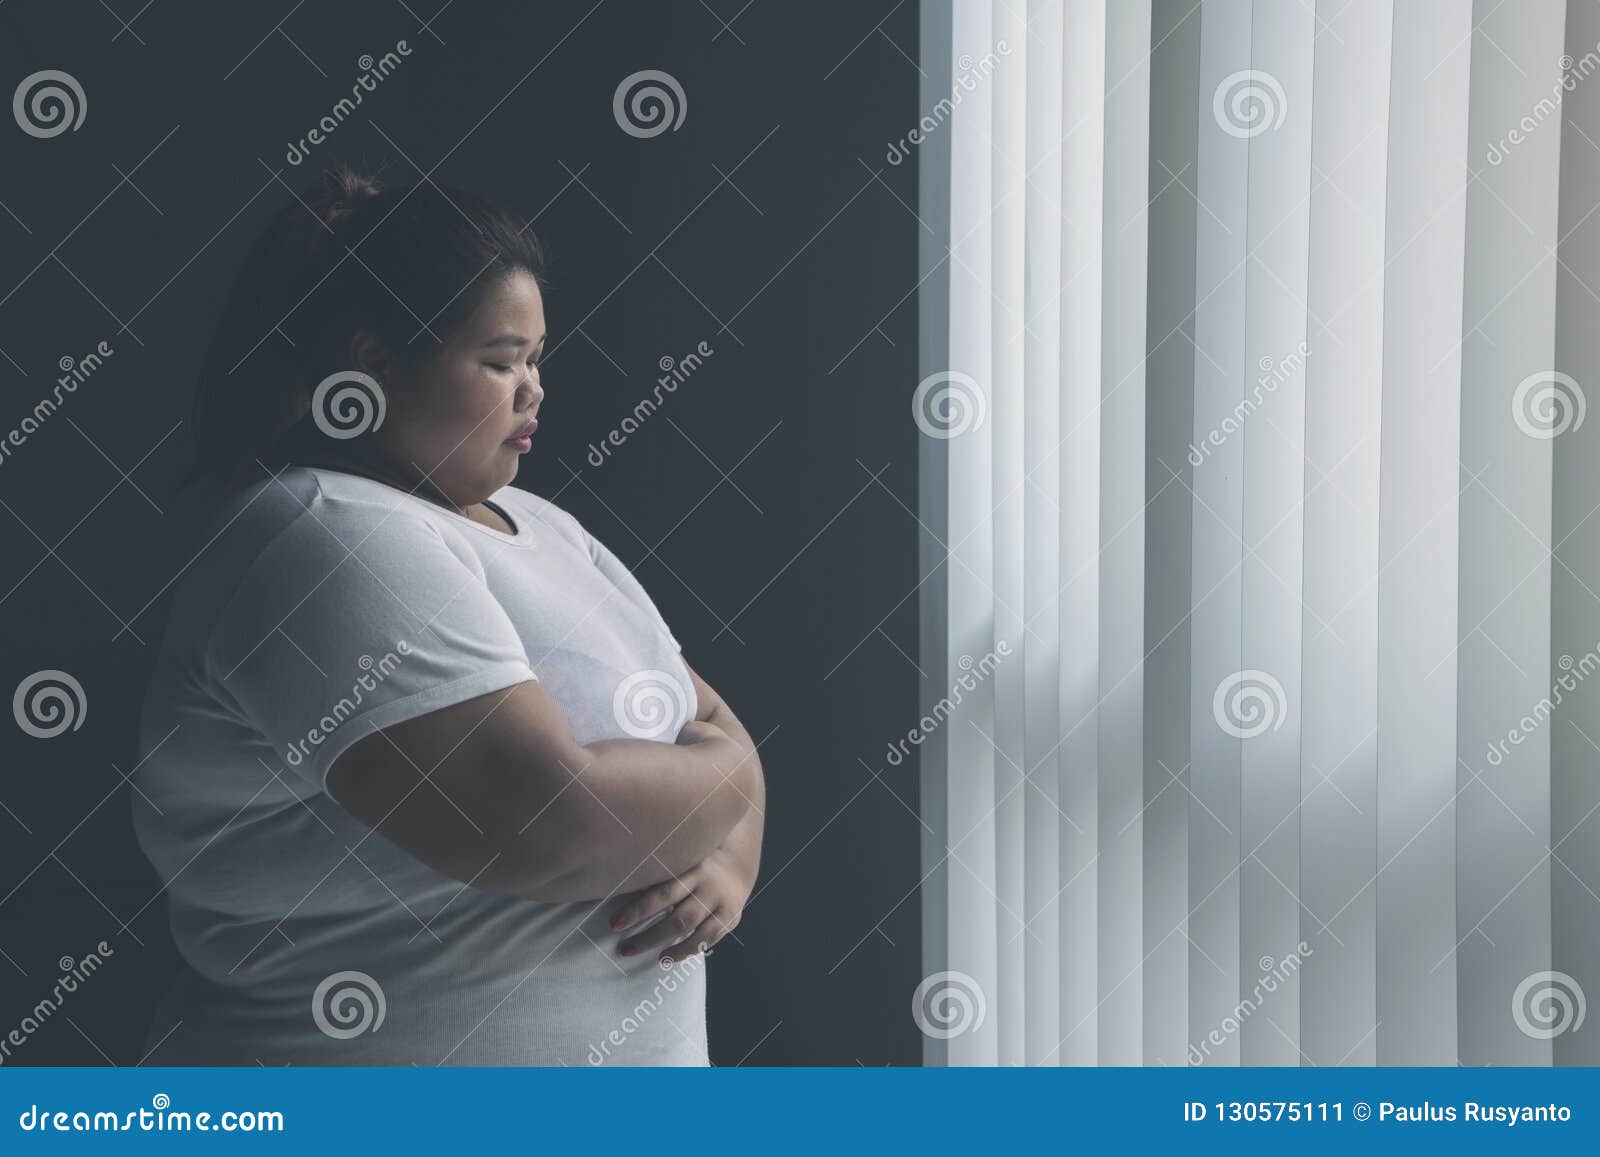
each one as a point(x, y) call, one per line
point(369, 354)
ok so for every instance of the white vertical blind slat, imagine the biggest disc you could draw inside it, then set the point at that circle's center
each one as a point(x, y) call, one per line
point(1083, 195)
point(1418, 531)
point(1125, 263)
point(1343, 414)
point(1010, 161)
point(1041, 945)
point(1277, 472)
point(1575, 611)
point(970, 846)
point(1508, 321)
point(1216, 550)
point(1169, 518)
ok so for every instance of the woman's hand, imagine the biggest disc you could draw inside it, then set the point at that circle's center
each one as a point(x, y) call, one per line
point(709, 900)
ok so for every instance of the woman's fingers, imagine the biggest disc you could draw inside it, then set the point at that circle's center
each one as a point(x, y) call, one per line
point(677, 924)
point(711, 930)
point(647, 903)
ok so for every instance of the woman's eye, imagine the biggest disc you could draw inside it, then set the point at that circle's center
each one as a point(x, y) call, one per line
point(502, 369)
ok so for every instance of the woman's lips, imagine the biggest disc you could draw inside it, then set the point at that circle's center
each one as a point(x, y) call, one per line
point(524, 440)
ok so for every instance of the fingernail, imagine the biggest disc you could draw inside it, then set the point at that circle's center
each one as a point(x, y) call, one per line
point(616, 922)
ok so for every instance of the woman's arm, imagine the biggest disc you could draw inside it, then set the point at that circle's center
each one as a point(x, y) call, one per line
point(740, 848)
point(706, 902)
point(743, 843)
point(497, 793)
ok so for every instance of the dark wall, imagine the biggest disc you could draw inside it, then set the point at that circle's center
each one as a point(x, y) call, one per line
point(762, 504)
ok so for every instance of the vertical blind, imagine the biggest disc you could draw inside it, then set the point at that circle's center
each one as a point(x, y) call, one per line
point(1261, 557)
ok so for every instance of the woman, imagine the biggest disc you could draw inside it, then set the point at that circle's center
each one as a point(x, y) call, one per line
point(422, 768)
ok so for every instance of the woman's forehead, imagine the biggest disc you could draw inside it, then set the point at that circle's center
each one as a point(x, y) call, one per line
point(511, 307)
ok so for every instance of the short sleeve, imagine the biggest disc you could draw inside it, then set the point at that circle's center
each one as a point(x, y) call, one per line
point(611, 566)
point(356, 618)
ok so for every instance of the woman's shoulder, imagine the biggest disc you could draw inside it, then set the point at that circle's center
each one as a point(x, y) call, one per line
point(295, 528)
point(316, 505)
point(306, 537)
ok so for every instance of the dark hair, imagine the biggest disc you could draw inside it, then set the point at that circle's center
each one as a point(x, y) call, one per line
point(408, 264)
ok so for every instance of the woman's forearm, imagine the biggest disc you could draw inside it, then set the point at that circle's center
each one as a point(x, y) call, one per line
point(649, 810)
point(743, 842)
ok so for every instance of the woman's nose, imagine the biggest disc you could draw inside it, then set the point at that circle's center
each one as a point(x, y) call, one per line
point(530, 388)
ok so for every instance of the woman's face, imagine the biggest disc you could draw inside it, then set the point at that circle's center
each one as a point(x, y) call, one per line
point(454, 415)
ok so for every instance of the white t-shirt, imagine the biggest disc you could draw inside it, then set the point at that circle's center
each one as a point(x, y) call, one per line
point(329, 606)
